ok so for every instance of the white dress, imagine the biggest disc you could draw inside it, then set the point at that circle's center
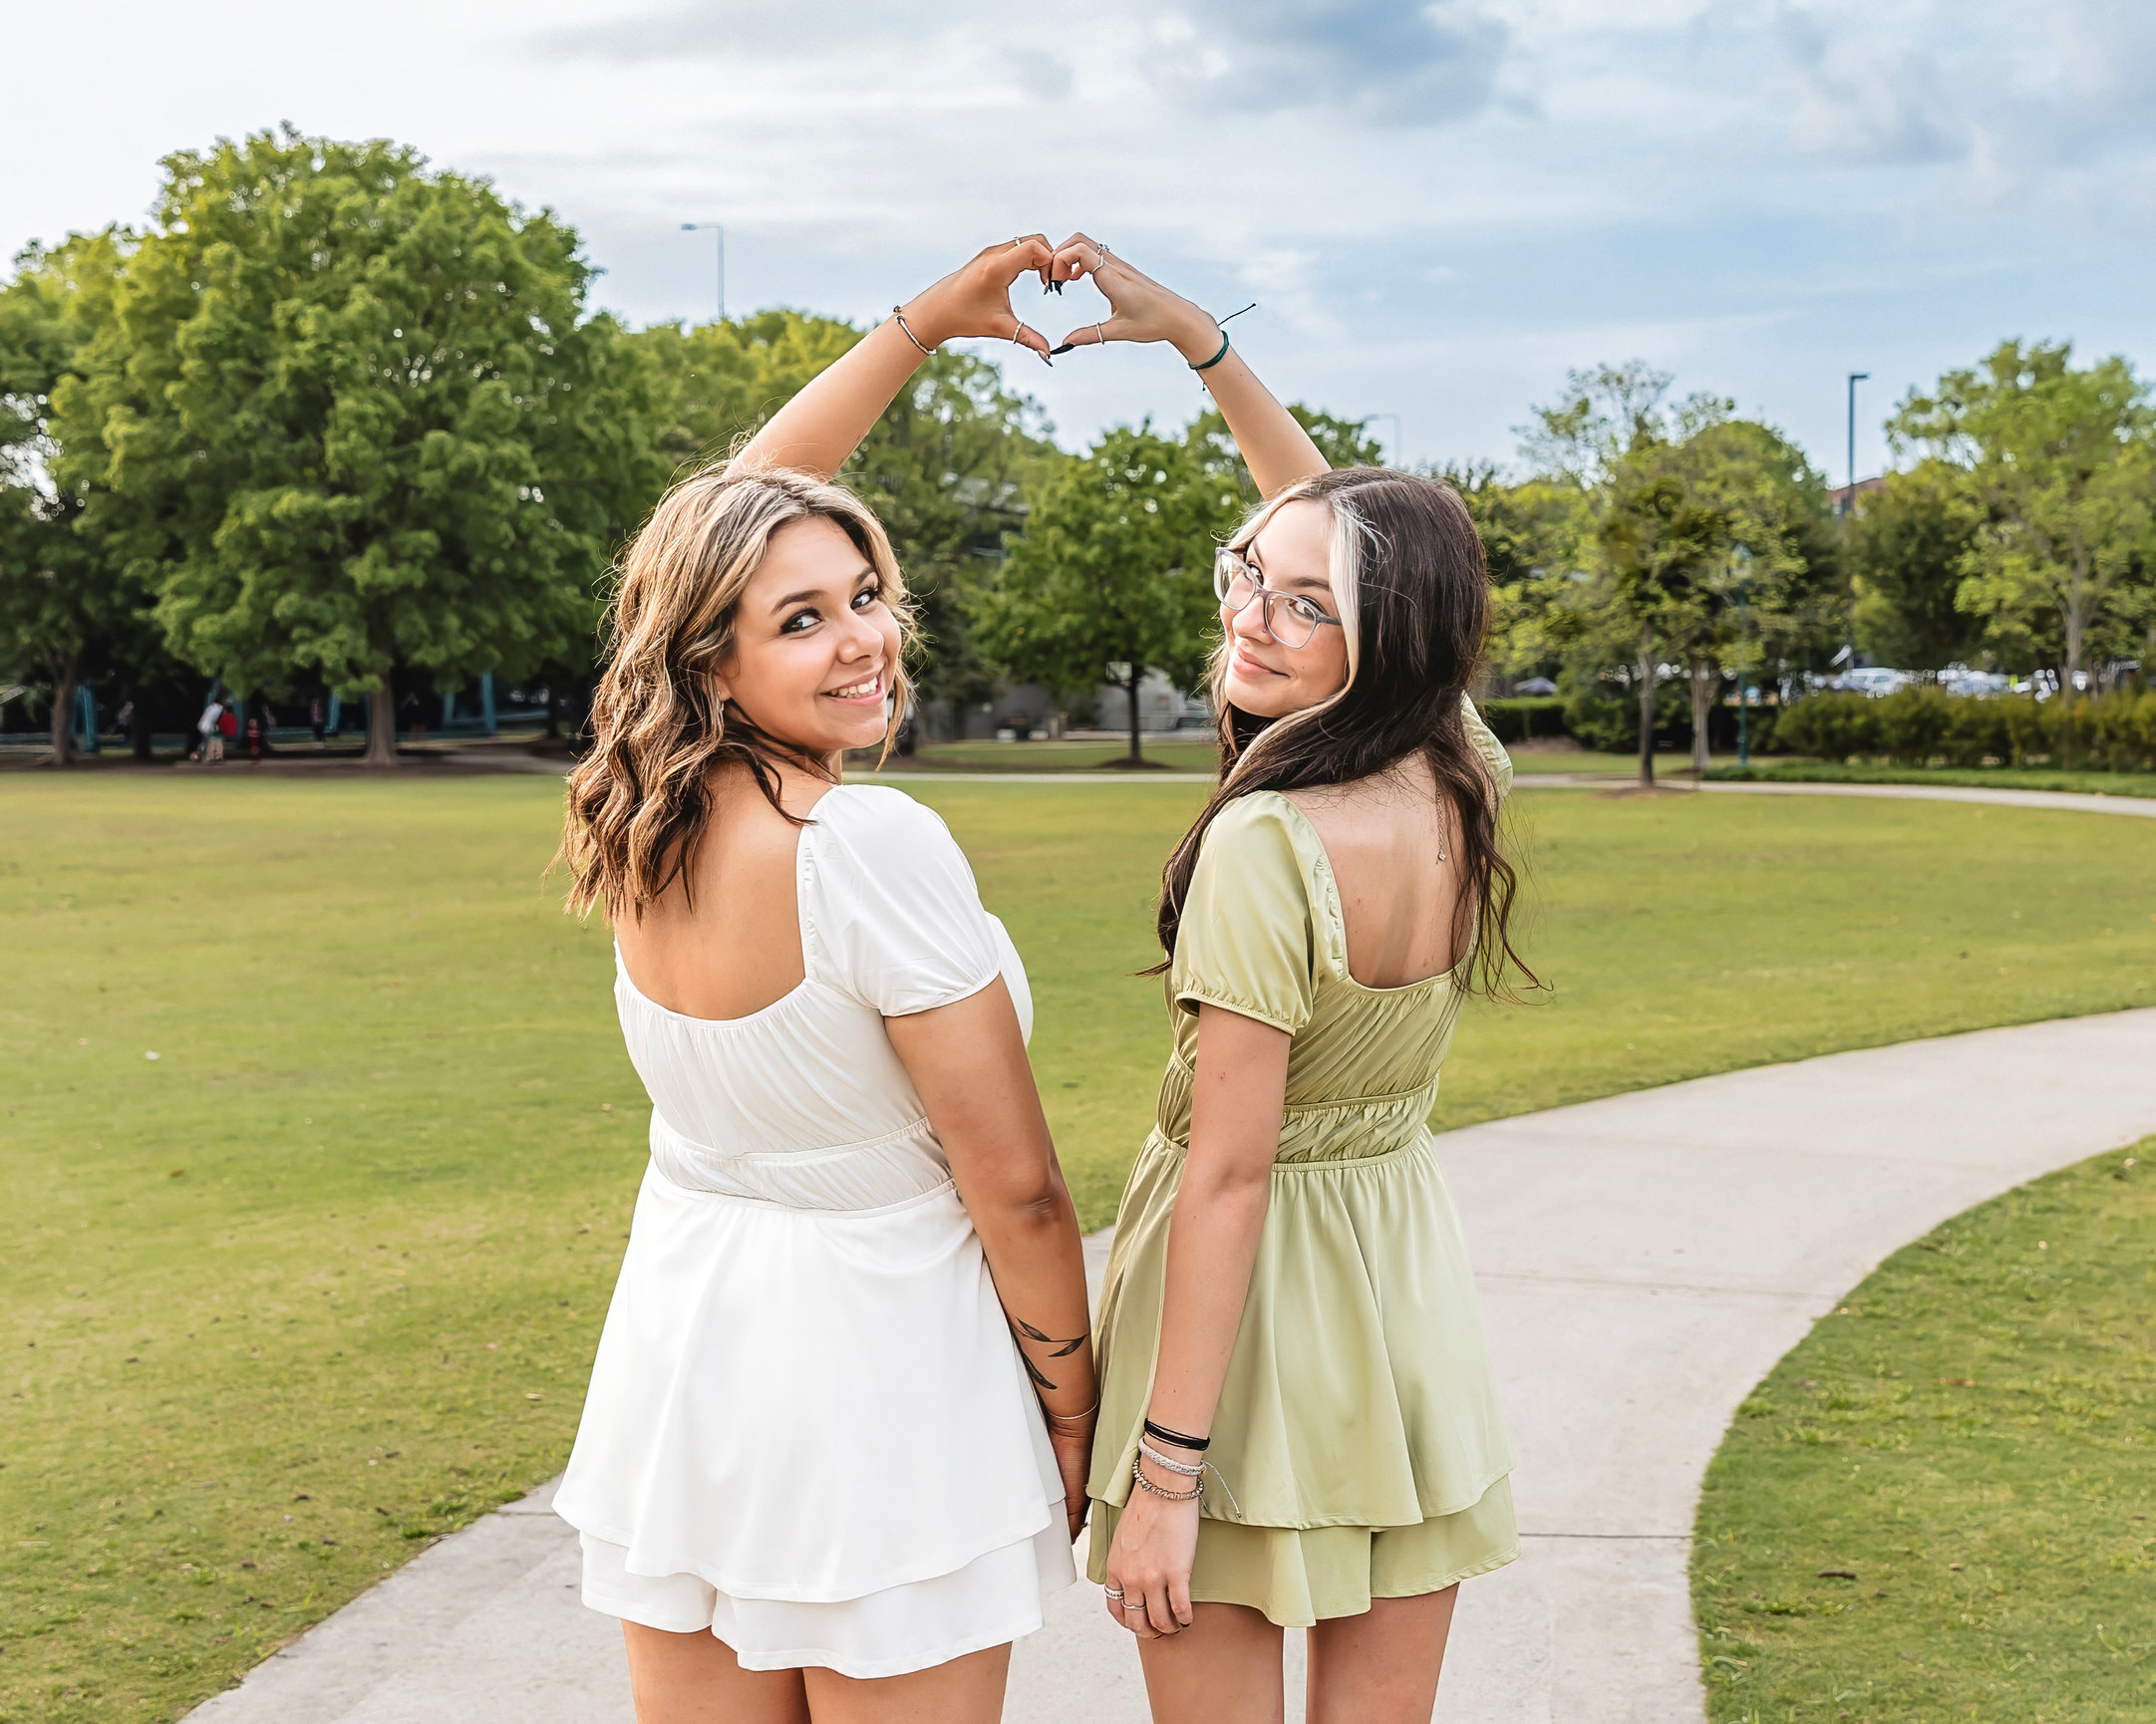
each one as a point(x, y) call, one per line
point(808, 1429)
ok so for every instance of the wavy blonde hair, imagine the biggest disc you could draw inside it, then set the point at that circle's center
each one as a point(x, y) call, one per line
point(639, 802)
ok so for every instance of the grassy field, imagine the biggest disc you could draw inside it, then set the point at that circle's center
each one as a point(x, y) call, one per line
point(322, 1280)
point(1985, 777)
point(1190, 751)
point(1938, 1505)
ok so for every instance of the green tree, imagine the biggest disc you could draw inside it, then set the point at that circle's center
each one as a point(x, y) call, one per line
point(1660, 545)
point(2062, 460)
point(1909, 542)
point(1113, 575)
point(347, 415)
point(1534, 540)
point(59, 602)
point(1344, 443)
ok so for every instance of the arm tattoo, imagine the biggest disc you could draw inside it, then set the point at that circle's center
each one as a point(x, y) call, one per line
point(1064, 1350)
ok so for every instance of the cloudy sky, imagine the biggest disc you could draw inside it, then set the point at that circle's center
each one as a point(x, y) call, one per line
point(1439, 207)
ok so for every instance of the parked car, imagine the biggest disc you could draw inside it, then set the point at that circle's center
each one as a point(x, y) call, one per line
point(1535, 686)
point(1873, 680)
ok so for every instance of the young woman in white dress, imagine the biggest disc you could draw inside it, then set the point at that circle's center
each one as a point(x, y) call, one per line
point(834, 1449)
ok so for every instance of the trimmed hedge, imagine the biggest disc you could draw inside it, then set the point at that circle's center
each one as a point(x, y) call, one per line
point(1923, 724)
point(1524, 719)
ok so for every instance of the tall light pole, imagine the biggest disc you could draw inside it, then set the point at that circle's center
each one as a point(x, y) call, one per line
point(1399, 453)
point(1849, 503)
point(718, 228)
point(1849, 507)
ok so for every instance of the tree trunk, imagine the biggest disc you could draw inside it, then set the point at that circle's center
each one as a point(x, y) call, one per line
point(381, 730)
point(1704, 680)
point(63, 725)
point(1137, 753)
point(1647, 714)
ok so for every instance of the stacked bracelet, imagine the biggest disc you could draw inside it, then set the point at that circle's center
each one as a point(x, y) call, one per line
point(1218, 357)
point(1137, 1472)
point(1161, 1433)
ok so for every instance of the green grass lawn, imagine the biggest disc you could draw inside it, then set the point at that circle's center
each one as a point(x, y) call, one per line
point(1532, 762)
point(322, 1281)
point(1985, 777)
point(1937, 1504)
point(1188, 751)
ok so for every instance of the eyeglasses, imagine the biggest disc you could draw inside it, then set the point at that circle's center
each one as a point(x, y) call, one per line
point(1291, 620)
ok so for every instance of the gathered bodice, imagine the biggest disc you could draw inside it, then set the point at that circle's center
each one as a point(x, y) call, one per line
point(1364, 1062)
point(806, 1103)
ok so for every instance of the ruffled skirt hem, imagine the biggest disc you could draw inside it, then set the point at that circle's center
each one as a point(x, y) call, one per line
point(994, 1600)
point(1298, 1576)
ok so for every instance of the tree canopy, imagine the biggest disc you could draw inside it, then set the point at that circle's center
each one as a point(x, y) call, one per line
point(346, 413)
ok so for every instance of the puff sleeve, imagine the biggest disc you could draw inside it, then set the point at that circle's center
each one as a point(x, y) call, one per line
point(1245, 940)
point(892, 916)
point(1485, 744)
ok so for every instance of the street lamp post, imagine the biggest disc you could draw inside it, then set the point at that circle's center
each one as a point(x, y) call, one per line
point(1399, 453)
point(1849, 507)
point(718, 228)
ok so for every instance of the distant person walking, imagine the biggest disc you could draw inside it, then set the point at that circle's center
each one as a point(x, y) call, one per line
point(209, 733)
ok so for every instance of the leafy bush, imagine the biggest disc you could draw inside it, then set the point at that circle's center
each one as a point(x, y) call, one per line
point(1524, 718)
point(1920, 725)
point(1914, 722)
point(1602, 712)
point(1832, 727)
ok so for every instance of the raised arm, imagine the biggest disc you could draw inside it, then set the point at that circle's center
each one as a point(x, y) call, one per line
point(1277, 450)
point(822, 426)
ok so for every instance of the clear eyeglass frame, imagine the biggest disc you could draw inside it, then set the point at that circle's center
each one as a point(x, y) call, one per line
point(1289, 618)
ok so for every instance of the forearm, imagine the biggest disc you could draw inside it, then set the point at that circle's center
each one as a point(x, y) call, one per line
point(1276, 449)
point(821, 427)
point(1039, 1264)
point(1212, 1246)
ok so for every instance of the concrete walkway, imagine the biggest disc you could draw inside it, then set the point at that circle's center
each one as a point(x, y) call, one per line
point(1644, 1260)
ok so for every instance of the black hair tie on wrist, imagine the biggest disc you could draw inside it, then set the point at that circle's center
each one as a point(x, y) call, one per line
point(1161, 1434)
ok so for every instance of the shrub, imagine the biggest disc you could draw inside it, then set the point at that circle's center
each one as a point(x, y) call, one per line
point(1525, 719)
point(1602, 712)
point(1979, 734)
point(1832, 727)
point(1914, 722)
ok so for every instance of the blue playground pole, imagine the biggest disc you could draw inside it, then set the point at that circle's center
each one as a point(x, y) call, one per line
point(487, 699)
point(86, 717)
point(336, 713)
point(449, 711)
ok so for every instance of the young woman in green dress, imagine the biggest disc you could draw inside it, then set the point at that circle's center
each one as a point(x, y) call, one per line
point(1297, 1422)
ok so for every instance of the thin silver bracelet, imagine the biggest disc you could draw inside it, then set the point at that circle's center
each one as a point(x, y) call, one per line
point(1185, 1468)
point(1137, 1472)
point(899, 313)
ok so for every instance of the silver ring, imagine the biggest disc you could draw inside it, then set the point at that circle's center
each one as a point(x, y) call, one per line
point(1100, 336)
point(1105, 254)
point(1114, 1592)
point(1016, 333)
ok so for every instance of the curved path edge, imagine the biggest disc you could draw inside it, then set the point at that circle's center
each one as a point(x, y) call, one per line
point(1644, 1260)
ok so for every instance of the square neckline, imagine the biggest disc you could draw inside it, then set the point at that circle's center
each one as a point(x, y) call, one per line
point(1332, 889)
point(800, 927)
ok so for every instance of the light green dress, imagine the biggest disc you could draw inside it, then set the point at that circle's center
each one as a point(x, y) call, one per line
point(1358, 1428)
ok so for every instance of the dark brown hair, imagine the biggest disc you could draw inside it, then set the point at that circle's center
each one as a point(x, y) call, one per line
point(1413, 592)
